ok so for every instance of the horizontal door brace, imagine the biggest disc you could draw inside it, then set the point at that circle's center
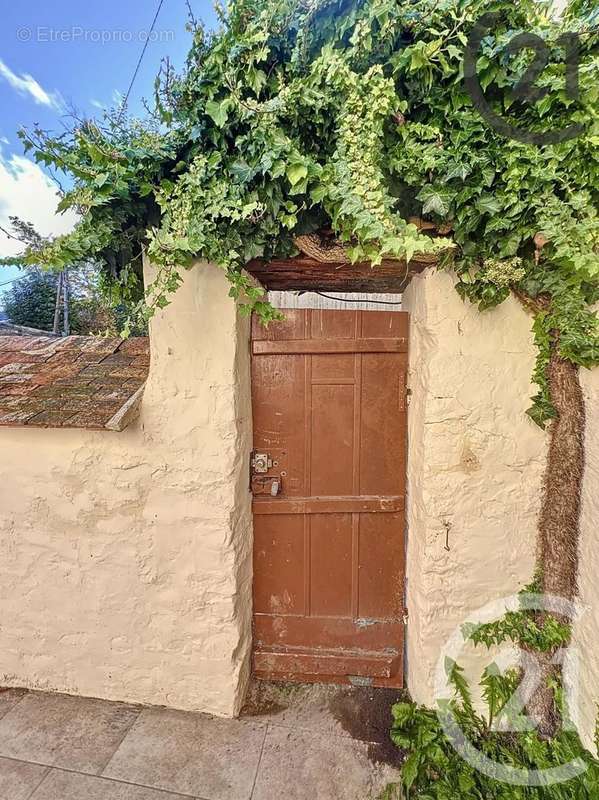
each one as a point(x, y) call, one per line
point(329, 505)
point(318, 346)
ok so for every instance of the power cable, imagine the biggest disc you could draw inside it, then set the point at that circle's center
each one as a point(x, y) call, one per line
point(12, 280)
point(361, 300)
point(141, 58)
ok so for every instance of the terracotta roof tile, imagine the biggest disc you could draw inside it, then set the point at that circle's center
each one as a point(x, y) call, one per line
point(76, 382)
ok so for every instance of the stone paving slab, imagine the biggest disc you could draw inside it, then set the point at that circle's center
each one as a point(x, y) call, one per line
point(18, 780)
point(59, 785)
point(9, 698)
point(323, 768)
point(193, 754)
point(61, 731)
point(302, 743)
point(361, 713)
point(296, 706)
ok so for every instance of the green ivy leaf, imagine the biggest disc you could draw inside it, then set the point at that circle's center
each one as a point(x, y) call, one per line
point(487, 204)
point(218, 110)
point(435, 201)
point(296, 172)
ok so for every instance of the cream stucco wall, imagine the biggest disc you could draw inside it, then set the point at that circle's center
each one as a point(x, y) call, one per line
point(586, 628)
point(125, 558)
point(475, 470)
point(476, 466)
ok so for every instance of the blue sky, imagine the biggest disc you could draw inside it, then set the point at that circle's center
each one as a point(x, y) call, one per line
point(72, 54)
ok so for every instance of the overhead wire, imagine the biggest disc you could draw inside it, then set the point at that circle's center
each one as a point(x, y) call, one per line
point(140, 60)
point(359, 300)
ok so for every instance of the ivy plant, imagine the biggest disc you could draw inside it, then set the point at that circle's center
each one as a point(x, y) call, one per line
point(353, 116)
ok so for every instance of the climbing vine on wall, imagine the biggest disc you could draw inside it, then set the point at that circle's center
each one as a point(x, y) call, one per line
point(303, 114)
point(352, 115)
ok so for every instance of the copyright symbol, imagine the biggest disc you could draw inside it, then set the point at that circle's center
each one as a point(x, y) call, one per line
point(526, 88)
point(24, 34)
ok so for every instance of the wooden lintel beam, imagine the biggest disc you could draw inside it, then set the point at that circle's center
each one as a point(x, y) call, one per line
point(305, 274)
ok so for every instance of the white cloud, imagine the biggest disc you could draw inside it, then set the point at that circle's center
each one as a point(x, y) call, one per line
point(27, 192)
point(27, 85)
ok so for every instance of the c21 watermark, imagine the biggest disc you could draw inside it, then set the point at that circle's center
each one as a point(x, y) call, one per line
point(526, 90)
point(77, 33)
point(531, 677)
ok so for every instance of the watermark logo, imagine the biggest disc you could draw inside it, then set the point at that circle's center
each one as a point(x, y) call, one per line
point(76, 33)
point(526, 89)
point(513, 716)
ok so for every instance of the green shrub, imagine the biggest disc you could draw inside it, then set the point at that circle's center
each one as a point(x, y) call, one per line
point(435, 770)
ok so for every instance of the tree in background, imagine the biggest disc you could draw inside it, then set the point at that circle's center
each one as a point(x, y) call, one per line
point(38, 299)
point(31, 300)
point(352, 116)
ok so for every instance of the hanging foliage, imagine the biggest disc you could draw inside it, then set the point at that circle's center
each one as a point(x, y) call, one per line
point(353, 116)
point(350, 115)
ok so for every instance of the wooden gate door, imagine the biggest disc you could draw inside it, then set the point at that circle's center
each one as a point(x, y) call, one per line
point(328, 477)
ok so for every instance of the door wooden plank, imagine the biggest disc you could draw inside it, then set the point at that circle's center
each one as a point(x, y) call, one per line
point(330, 411)
point(365, 633)
point(329, 505)
point(313, 346)
point(340, 664)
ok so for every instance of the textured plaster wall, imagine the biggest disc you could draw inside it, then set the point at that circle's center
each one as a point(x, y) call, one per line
point(475, 471)
point(125, 558)
point(586, 629)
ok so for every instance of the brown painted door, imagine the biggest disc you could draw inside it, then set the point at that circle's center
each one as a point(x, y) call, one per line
point(329, 466)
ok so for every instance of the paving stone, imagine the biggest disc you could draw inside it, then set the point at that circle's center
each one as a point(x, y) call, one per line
point(9, 698)
point(354, 712)
point(298, 765)
point(59, 785)
point(192, 754)
point(299, 706)
point(71, 732)
point(18, 780)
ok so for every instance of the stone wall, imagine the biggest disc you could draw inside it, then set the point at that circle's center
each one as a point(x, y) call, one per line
point(125, 558)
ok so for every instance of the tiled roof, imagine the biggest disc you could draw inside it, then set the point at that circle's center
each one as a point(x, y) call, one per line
point(73, 382)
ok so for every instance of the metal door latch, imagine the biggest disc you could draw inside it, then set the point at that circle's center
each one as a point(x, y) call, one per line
point(271, 484)
point(260, 463)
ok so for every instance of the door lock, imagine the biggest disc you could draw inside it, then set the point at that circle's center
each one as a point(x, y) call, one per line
point(260, 482)
point(260, 462)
